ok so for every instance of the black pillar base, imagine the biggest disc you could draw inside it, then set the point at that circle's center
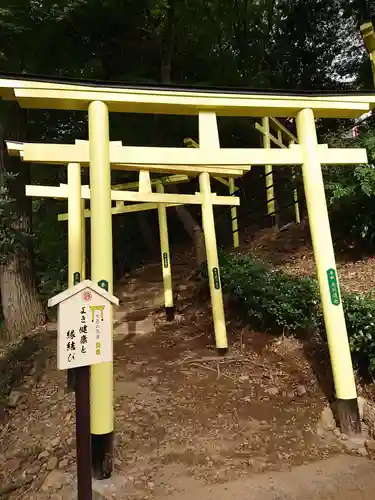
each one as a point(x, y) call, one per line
point(83, 444)
point(169, 312)
point(71, 380)
point(102, 455)
point(348, 416)
point(222, 351)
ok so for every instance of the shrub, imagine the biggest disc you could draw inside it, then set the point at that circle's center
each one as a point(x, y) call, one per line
point(278, 302)
point(360, 322)
point(272, 299)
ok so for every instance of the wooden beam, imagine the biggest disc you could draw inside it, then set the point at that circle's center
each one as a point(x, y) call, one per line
point(277, 125)
point(15, 148)
point(61, 192)
point(112, 143)
point(190, 143)
point(144, 183)
point(368, 35)
point(124, 209)
point(274, 139)
point(57, 192)
point(59, 154)
point(225, 182)
point(172, 179)
point(192, 158)
point(174, 102)
point(338, 156)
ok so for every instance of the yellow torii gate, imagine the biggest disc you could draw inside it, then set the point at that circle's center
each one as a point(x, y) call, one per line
point(159, 200)
point(75, 190)
point(268, 138)
point(74, 169)
point(98, 100)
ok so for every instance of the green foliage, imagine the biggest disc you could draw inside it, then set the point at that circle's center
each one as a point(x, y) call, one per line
point(50, 249)
point(12, 235)
point(360, 322)
point(278, 302)
point(351, 194)
point(272, 299)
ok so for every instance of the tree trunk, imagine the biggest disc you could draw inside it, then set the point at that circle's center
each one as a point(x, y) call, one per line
point(190, 224)
point(145, 229)
point(21, 305)
point(193, 229)
point(167, 44)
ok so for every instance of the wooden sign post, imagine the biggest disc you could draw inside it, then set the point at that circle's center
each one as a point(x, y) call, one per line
point(83, 339)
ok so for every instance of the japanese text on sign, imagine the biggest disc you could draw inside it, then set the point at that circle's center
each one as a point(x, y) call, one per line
point(84, 330)
point(333, 287)
point(215, 272)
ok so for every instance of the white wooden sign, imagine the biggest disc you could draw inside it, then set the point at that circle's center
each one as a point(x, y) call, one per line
point(84, 334)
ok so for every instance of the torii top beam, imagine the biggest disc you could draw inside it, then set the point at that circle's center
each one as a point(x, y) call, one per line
point(46, 93)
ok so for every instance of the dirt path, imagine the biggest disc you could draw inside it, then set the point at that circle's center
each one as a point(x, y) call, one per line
point(185, 418)
point(337, 478)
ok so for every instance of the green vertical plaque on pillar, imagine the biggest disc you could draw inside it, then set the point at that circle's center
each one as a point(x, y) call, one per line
point(215, 272)
point(103, 284)
point(333, 286)
point(76, 278)
point(165, 259)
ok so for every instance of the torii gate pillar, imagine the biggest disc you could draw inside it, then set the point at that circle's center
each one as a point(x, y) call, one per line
point(342, 368)
point(101, 382)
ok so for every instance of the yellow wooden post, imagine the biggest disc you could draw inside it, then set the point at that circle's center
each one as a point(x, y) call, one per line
point(368, 35)
point(101, 387)
point(233, 215)
point(342, 368)
point(295, 194)
point(74, 238)
point(144, 184)
point(295, 198)
point(165, 256)
point(209, 139)
point(74, 224)
point(83, 242)
point(268, 172)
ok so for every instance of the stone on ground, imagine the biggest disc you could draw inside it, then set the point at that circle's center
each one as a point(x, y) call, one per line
point(327, 420)
point(108, 488)
point(55, 480)
point(14, 398)
point(134, 327)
